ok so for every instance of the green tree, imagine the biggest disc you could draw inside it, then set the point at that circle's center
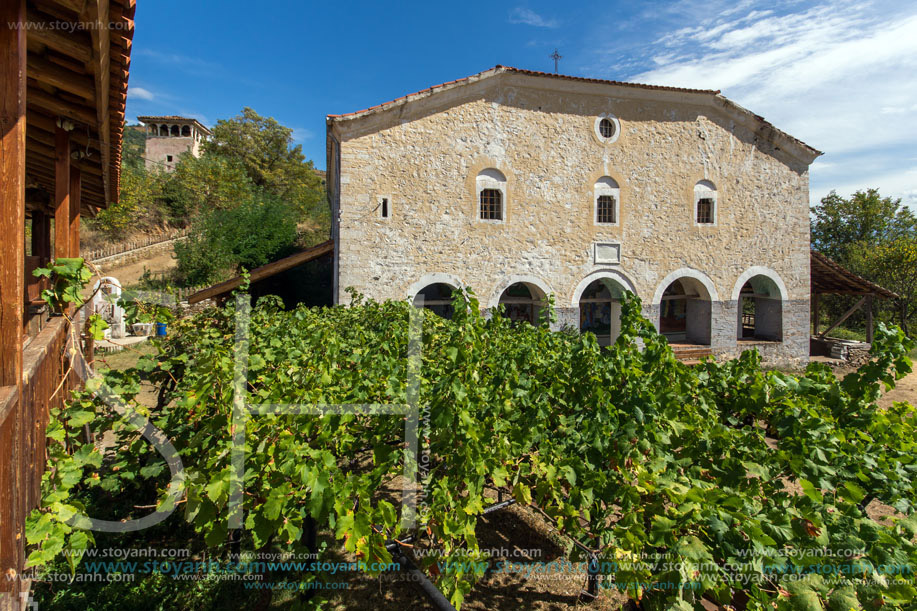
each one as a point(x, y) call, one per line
point(893, 264)
point(866, 218)
point(264, 148)
point(253, 233)
point(200, 184)
point(135, 208)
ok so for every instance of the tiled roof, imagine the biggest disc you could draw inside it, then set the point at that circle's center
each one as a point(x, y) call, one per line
point(500, 69)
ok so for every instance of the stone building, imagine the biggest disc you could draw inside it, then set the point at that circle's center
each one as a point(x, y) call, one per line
point(521, 184)
point(170, 136)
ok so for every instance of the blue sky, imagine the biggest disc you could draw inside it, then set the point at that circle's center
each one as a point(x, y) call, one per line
point(842, 76)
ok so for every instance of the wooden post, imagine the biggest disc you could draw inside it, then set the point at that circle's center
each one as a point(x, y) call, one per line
point(869, 330)
point(41, 234)
point(816, 313)
point(74, 240)
point(12, 283)
point(61, 193)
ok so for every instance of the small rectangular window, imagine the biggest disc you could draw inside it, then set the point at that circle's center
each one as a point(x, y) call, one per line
point(168, 157)
point(605, 209)
point(491, 205)
point(384, 207)
point(705, 210)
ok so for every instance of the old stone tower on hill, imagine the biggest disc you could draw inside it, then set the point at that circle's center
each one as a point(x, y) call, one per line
point(170, 136)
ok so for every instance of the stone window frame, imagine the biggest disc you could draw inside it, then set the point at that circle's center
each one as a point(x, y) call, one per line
point(705, 189)
point(474, 186)
point(589, 199)
point(388, 198)
point(602, 187)
point(597, 134)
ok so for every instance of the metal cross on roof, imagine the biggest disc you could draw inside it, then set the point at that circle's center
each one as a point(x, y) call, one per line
point(555, 56)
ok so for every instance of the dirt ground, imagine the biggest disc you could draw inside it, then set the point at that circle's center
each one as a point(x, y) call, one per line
point(129, 274)
point(905, 390)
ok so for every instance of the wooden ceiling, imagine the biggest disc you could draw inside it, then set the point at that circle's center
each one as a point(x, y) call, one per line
point(830, 278)
point(78, 71)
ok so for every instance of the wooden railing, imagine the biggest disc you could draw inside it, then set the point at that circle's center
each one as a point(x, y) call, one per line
point(47, 381)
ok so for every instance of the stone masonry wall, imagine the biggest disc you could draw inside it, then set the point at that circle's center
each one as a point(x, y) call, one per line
point(424, 157)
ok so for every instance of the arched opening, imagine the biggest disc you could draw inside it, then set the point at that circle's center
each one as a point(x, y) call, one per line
point(522, 302)
point(163, 130)
point(186, 131)
point(175, 131)
point(684, 312)
point(437, 298)
point(600, 310)
point(760, 310)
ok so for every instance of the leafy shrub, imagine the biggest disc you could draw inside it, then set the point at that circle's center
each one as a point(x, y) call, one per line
point(249, 235)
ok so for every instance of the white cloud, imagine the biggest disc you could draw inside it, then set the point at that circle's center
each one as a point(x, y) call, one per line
point(140, 93)
point(529, 17)
point(301, 134)
point(841, 76)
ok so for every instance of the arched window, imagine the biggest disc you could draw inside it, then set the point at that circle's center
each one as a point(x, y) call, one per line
point(175, 131)
point(522, 302)
point(760, 310)
point(607, 194)
point(163, 130)
point(704, 203)
point(437, 298)
point(186, 131)
point(491, 189)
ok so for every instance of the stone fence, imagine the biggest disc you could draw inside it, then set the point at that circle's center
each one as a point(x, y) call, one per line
point(122, 254)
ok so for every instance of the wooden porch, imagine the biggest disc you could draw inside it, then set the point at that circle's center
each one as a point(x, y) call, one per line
point(63, 86)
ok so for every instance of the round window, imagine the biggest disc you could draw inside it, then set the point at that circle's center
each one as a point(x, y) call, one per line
point(606, 128)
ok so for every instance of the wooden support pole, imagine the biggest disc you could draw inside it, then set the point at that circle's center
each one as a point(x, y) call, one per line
point(12, 189)
point(12, 287)
point(41, 234)
point(61, 193)
point(74, 241)
point(816, 313)
point(869, 322)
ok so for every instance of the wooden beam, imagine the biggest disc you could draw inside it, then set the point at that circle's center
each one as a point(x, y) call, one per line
point(52, 74)
point(62, 194)
point(42, 149)
point(99, 11)
point(70, 43)
point(45, 123)
point(57, 107)
point(74, 241)
point(844, 316)
point(265, 271)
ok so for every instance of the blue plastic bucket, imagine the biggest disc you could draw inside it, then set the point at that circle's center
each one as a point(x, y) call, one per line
point(160, 329)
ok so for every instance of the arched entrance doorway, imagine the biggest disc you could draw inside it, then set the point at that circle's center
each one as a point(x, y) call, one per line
point(684, 312)
point(600, 310)
point(522, 302)
point(760, 310)
point(437, 298)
